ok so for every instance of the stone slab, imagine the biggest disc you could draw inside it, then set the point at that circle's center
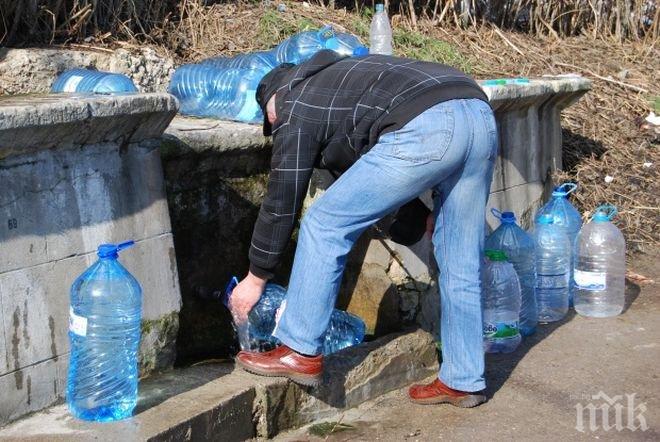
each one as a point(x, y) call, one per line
point(217, 402)
point(39, 122)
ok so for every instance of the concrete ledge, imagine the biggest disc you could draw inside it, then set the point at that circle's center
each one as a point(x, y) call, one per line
point(29, 123)
point(217, 402)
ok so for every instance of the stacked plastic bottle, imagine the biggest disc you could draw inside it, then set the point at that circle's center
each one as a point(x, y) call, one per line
point(91, 81)
point(567, 217)
point(600, 266)
point(225, 87)
point(380, 32)
point(344, 330)
point(104, 331)
point(552, 248)
point(500, 304)
point(519, 249)
point(208, 91)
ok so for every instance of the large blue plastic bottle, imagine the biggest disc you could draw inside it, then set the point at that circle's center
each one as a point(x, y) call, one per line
point(518, 246)
point(302, 46)
point(104, 331)
point(566, 216)
point(552, 269)
point(501, 304)
point(345, 330)
point(98, 82)
point(349, 45)
point(258, 61)
point(225, 93)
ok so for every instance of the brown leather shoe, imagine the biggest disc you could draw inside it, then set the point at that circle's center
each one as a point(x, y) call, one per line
point(438, 393)
point(283, 362)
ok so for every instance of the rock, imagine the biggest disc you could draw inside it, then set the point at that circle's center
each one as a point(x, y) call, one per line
point(368, 292)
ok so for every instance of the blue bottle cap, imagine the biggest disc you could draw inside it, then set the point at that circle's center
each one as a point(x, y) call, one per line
point(332, 43)
point(380, 7)
point(604, 213)
point(112, 250)
point(546, 218)
point(360, 51)
point(504, 217)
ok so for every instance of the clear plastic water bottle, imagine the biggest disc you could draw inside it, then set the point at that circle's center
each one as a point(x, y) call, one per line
point(564, 214)
point(380, 33)
point(303, 45)
point(518, 246)
point(87, 80)
point(226, 93)
point(553, 259)
point(600, 266)
point(263, 61)
point(501, 303)
point(345, 329)
point(104, 331)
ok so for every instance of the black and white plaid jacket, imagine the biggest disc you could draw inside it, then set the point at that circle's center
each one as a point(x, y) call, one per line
point(330, 111)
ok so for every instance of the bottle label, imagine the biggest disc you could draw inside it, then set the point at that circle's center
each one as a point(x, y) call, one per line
point(501, 330)
point(552, 281)
point(592, 281)
point(77, 324)
point(72, 83)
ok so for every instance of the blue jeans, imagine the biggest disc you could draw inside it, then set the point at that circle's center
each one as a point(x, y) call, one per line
point(450, 148)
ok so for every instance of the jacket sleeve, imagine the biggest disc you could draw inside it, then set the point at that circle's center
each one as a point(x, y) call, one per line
point(292, 163)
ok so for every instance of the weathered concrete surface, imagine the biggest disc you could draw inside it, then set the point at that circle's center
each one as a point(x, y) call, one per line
point(533, 392)
point(215, 402)
point(78, 171)
point(33, 70)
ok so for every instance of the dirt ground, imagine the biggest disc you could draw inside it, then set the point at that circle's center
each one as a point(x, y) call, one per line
point(535, 393)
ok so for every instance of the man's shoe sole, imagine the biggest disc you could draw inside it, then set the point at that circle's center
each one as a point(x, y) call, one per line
point(308, 380)
point(469, 401)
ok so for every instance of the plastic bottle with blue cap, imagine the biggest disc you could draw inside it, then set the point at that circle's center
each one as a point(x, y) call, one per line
point(518, 246)
point(553, 267)
point(255, 334)
point(380, 32)
point(104, 330)
point(303, 45)
point(600, 266)
point(566, 216)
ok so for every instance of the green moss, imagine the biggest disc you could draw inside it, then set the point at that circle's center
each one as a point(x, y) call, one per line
point(413, 44)
point(325, 429)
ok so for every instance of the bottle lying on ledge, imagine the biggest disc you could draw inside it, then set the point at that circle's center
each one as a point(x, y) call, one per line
point(91, 81)
point(345, 330)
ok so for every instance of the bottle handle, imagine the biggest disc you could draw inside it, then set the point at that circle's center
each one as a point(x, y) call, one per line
point(125, 245)
point(496, 213)
point(608, 209)
point(566, 189)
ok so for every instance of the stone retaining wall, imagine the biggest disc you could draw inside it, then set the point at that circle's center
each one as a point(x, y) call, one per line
point(75, 172)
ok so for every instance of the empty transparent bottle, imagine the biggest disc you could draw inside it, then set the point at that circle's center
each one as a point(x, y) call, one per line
point(600, 266)
point(519, 249)
point(104, 331)
point(565, 215)
point(552, 269)
point(303, 45)
point(345, 330)
point(500, 304)
point(380, 32)
point(225, 93)
point(263, 61)
point(88, 80)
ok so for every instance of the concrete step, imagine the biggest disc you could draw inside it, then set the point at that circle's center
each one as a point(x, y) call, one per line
point(215, 401)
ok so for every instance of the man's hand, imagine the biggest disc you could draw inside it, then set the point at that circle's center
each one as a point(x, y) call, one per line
point(245, 295)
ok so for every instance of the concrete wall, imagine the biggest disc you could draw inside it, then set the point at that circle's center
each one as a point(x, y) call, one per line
point(216, 175)
point(77, 171)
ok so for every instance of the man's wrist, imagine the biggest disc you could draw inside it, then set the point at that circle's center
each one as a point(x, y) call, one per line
point(256, 280)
